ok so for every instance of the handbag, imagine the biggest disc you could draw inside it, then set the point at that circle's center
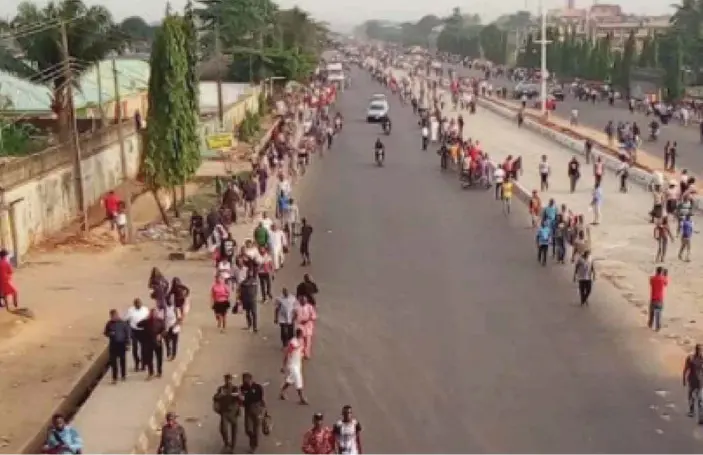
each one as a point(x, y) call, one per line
point(266, 423)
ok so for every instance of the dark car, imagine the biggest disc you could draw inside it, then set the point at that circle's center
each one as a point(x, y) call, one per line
point(557, 93)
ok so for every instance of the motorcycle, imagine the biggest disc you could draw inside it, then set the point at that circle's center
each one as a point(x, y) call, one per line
point(380, 156)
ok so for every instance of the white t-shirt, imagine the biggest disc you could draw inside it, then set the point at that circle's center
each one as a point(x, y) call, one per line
point(295, 354)
point(425, 131)
point(267, 223)
point(121, 219)
point(136, 315)
point(284, 187)
point(543, 167)
point(224, 268)
point(499, 175)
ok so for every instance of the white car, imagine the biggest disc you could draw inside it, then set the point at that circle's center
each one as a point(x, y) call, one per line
point(377, 111)
point(378, 96)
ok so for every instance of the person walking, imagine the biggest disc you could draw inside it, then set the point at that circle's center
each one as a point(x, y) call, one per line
point(220, 295)
point(585, 273)
point(226, 403)
point(686, 236)
point(134, 317)
point(293, 366)
point(305, 235)
point(266, 271)
point(152, 345)
point(254, 406)
point(118, 334)
point(248, 297)
point(574, 173)
point(62, 438)
point(596, 203)
point(283, 315)
point(543, 238)
point(692, 375)
point(544, 172)
point(305, 317)
point(662, 235)
point(657, 288)
point(507, 191)
point(347, 433)
point(318, 439)
point(173, 436)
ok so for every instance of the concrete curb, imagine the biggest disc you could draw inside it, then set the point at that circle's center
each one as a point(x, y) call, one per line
point(68, 405)
point(149, 436)
point(640, 175)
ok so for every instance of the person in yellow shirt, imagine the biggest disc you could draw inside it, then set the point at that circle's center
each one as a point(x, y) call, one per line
point(507, 194)
point(454, 153)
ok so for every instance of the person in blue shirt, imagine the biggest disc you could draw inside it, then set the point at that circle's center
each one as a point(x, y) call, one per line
point(544, 238)
point(549, 213)
point(62, 438)
point(686, 234)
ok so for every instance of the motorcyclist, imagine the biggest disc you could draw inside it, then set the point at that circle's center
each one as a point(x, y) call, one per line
point(387, 125)
point(654, 130)
point(379, 149)
point(338, 121)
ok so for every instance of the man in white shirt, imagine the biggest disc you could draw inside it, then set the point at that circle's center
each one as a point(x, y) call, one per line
point(136, 314)
point(425, 137)
point(283, 315)
point(293, 367)
point(544, 171)
point(291, 218)
point(498, 179)
point(277, 243)
point(266, 221)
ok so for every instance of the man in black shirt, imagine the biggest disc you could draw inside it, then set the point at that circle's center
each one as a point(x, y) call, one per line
point(226, 402)
point(248, 295)
point(307, 288)
point(197, 230)
point(118, 333)
point(692, 371)
point(305, 234)
point(253, 400)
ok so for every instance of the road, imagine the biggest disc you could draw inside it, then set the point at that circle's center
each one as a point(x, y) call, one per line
point(597, 115)
point(436, 326)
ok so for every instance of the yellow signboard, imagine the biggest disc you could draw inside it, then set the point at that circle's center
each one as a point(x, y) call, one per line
point(219, 141)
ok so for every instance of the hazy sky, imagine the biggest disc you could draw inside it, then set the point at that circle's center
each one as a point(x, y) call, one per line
point(352, 12)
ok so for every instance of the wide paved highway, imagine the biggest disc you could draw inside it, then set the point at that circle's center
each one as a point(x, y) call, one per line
point(436, 325)
point(596, 116)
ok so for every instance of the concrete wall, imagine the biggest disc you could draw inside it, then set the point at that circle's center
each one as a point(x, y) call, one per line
point(39, 193)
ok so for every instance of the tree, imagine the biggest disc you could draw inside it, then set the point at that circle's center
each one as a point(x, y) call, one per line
point(494, 43)
point(92, 36)
point(137, 29)
point(672, 62)
point(628, 56)
point(171, 155)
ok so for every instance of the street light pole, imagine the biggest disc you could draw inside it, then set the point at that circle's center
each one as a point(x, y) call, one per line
point(543, 70)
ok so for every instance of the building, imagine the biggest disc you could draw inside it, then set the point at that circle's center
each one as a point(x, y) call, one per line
point(23, 98)
point(601, 20)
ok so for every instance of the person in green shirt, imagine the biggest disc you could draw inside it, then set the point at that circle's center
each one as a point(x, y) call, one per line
point(261, 235)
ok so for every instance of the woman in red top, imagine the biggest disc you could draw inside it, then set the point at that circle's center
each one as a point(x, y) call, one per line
point(220, 293)
point(7, 289)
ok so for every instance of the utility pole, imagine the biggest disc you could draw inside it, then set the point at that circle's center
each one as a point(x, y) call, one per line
point(100, 96)
point(543, 45)
point(78, 158)
point(123, 153)
point(218, 56)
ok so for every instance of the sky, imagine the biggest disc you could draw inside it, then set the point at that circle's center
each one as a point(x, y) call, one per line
point(346, 14)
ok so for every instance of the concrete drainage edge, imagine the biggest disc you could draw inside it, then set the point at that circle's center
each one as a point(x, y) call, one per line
point(148, 437)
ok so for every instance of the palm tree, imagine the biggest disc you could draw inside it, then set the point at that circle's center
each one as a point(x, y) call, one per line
point(91, 34)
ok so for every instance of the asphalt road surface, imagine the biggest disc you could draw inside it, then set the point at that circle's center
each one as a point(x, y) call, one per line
point(436, 325)
point(690, 148)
